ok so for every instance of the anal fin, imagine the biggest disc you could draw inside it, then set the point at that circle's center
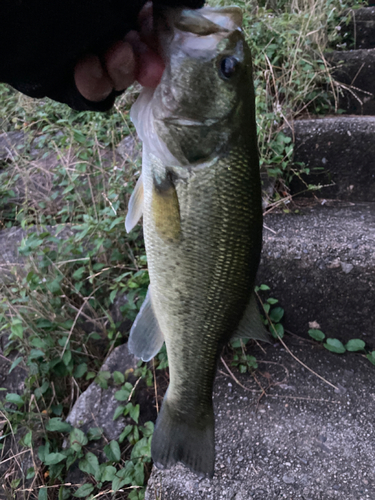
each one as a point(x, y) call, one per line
point(146, 338)
point(251, 326)
point(135, 208)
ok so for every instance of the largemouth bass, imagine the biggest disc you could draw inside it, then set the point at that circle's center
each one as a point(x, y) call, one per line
point(200, 196)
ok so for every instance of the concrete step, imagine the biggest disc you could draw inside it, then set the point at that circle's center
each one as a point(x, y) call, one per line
point(320, 264)
point(362, 28)
point(355, 69)
point(303, 441)
point(338, 151)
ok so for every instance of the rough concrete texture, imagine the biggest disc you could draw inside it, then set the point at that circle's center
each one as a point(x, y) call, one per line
point(320, 264)
point(303, 441)
point(356, 70)
point(363, 28)
point(338, 151)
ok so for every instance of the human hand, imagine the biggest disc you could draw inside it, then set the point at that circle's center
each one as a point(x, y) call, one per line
point(134, 58)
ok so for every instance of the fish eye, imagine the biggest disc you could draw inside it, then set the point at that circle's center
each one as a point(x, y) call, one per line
point(228, 67)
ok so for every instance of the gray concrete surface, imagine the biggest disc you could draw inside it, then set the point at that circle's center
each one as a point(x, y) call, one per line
point(320, 264)
point(355, 69)
point(339, 151)
point(304, 440)
point(363, 28)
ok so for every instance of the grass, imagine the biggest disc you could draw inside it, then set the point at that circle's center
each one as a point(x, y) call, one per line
point(56, 310)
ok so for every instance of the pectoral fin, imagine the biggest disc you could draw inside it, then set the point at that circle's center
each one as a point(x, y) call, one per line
point(135, 208)
point(146, 338)
point(166, 210)
point(251, 326)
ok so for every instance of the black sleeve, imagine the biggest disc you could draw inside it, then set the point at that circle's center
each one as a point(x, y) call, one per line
point(41, 41)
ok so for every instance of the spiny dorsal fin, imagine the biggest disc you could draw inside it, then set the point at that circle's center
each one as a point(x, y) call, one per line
point(135, 208)
point(251, 326)
point(146, 338)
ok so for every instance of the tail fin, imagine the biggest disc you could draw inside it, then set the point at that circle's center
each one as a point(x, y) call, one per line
point(177, 439)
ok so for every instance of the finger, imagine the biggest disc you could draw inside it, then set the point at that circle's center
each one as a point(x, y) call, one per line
point(150, 68)
point(91, 79)
point(121, 65)
point(145, 20)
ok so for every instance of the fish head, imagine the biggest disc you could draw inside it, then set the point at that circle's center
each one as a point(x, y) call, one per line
point(206, 88)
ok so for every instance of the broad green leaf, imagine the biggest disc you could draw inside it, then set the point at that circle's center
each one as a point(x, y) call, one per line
point(94, 434)
point(89, 464)
point(43, 451)
point(112, 450)
point(43, 494)
point(122, 395)
point(57, 425)
point(77, 275)
point(84, 491)
point(64, 493)
point(133, 411)
point(139, 474)
point(119, 411)
point(276, 314)
point(102, 379)
point(108, 473)
point(80, 370)
point(17, 328)
point(77, 439)
point(317, 335)
point(39, 391)
point(148, 429)
point(128, 429)
point(36, 353)
point(117, 483)
point(30, 473)
point(137, 494)
point(264, 287)
point(37, 342)
point(54, 458)
point(67, 357)
point(272, 301)
point(355, 345)
point(142, 448)
point(15, 363)
point(27, 439)
point(14, 398)
point(334, 345)
point(371, 357)
point(118, 378)
point(277, 330)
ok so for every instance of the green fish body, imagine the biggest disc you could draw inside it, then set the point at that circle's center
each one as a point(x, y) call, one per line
point(200, 195)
